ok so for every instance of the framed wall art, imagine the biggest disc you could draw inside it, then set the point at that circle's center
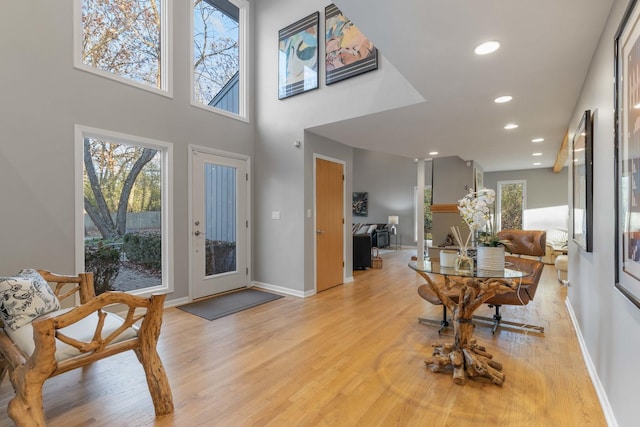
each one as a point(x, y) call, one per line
point(348, 52)
point(582, 162)
point(298, 57)
point(627, 154)
point(360, 204)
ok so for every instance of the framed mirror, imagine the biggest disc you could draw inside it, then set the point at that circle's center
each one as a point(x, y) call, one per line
point(582, 167)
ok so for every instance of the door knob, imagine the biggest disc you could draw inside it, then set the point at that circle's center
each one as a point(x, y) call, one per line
point(319, 232)
point(197, 232)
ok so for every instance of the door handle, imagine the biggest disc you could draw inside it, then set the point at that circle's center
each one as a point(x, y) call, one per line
point(319, 232)
point(197, 232)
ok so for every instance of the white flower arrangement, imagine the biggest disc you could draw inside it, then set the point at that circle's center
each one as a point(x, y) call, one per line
point(475, 208)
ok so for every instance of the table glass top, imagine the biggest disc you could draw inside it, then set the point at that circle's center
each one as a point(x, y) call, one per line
point(428, 266)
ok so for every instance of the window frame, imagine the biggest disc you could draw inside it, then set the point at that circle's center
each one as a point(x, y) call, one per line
point(415, 210)
point(243, 56)
point(498, 212)
point(166, 149)
point(166, 54)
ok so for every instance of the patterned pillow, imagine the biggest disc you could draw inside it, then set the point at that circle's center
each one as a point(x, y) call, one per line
point(24, 298)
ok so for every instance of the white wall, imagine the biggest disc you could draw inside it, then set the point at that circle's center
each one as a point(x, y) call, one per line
point(608, 322)
point(41, 98)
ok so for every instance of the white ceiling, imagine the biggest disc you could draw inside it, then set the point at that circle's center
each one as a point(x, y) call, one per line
point(546, 49)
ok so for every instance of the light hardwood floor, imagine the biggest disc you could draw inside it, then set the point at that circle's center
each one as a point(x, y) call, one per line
point(350, 356)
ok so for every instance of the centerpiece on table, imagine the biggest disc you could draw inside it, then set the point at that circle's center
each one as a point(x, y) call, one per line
point(476, 209)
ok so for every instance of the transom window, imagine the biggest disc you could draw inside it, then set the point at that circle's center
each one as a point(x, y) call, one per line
point(125, 40)
point(218, 52)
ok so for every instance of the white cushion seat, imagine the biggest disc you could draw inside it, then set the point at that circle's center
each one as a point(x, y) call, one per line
point(83, 330)
point(562, 265)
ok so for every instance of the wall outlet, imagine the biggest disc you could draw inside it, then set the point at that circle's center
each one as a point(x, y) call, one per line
point(275, 215)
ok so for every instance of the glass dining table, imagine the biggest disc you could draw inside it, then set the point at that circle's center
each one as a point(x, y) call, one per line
point(462, 293)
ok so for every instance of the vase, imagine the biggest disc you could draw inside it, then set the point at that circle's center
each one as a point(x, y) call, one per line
point(464, 263)
point(490, 258)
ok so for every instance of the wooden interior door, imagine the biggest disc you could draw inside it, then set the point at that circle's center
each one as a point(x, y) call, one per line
point(329, 224)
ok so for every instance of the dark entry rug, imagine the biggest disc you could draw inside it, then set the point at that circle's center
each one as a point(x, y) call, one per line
point(223, 305)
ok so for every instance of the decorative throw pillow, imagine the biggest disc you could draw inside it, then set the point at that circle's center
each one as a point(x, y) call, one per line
point(24, 298)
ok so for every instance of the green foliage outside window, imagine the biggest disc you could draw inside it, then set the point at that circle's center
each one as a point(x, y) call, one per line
point(428, 220)
point(511, 206)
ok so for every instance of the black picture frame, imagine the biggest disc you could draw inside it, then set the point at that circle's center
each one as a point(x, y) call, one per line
point(360, 206)
point(348, 53)
point(627, 156)
point(582, 167)
point(298, 55)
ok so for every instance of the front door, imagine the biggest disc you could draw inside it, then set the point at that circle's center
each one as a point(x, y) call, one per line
point(218, 224)
point(329, 224)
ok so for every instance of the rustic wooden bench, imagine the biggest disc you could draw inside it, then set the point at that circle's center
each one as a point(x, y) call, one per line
point(75, 337)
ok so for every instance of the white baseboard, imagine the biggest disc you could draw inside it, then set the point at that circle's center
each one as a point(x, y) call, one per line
point(348, 279)
point(602, 395)
point(282, 290)
point(176, 302)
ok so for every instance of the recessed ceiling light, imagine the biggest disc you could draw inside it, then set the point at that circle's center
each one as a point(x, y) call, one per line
point(537, 164)
point(511, 126)
point(537, 154)
point(433, 153)
point(537, 140)
point(503, 99)
point(486, 47)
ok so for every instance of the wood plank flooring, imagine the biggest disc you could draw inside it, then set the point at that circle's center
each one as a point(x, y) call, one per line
point(350, 356)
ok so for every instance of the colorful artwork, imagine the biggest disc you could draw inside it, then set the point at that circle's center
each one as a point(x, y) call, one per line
point(627, 167)
point(298, 57)
point(348, 52)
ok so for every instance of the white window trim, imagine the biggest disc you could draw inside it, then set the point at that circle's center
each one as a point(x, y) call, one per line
point(166, 60)
point(499, 199)
point(243, 39)
point(166, 148)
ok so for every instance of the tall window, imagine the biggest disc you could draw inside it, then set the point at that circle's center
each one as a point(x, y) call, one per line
point(218, 49)
point(427, 214)
point(511, 204)
point(126, 40)
point(125, 201)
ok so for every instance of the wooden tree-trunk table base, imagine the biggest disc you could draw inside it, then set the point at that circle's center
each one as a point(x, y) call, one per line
point(470, 361)
point(464, 356)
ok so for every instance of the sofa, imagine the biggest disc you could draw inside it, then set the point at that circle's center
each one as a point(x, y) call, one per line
point(379, 233)
point(557, 244)
point(361, 251)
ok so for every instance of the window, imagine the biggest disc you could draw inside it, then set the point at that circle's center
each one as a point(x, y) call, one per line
point(124, 231)
point(127, 41)
point(511, 204)
point(427, 214)
point(218, 54)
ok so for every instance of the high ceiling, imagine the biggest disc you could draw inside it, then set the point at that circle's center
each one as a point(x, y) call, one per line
point(546, 49)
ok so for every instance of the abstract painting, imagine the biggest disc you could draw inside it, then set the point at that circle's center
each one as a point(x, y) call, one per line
point(298, 57)
point(360, 204)
point(347, 51)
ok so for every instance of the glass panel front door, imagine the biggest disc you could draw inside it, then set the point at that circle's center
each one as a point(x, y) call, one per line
point(219, 224)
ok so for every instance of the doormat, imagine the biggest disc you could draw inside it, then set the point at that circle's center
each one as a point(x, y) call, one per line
point(223, 305)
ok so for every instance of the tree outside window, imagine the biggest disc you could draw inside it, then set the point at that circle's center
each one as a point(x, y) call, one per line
point(123, 37)
point(123, 206)
point(511, 204)
point(216, 54)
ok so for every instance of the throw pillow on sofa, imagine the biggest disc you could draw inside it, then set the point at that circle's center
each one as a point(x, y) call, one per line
point(25, 297)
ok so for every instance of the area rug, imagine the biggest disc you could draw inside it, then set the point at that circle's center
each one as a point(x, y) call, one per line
point(223, 305)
